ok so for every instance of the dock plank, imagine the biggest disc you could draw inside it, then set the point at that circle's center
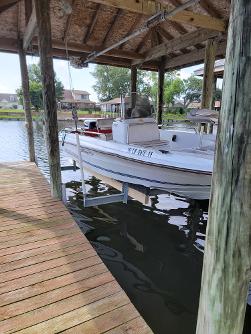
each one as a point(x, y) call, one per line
point(51, 278)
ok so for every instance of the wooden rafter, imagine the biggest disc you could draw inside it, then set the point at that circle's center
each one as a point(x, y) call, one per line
point(30, 30)
point(193, 57)
point(69, 21)
point(92, 25)
point(177, 44)
point(133, 27)
point(208, 7)
point(151, 7)
point(28, 10)
point(5, 4)
point(167, 36)
point(110, 30)
point(143, 41)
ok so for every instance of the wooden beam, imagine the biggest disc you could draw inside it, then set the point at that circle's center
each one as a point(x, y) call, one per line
point(110, 29)
point(134, 73)
point(227, 261)
point(26, 101)
point(50, 104)
point(116, 57)
point(89, 49)
point(151, 7)
point(193, 58)
point(28, 10)
point(161, 80)
point(4, 5)
point(208, 77)
point(133, 27)
point(92, 25)
point(183, 41)
point(143, 41)
point(30, 30)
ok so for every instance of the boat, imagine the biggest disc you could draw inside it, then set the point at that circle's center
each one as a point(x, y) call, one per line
point(136, 151)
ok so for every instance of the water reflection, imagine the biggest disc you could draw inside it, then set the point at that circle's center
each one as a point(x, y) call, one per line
point(151, 249)
point(155, 251)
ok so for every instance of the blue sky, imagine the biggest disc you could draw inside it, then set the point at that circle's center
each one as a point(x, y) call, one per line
point(82, 79)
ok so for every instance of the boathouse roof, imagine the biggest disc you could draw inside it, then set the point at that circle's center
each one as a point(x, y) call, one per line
point(80, 27)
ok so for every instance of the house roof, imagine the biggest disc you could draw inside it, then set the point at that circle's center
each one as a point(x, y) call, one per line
point(116, 100)
point(218, 69)
point(93, 25)
point(68, 94)
point(6, 96)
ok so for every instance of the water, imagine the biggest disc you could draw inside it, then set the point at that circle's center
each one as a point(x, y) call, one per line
point(155, 251)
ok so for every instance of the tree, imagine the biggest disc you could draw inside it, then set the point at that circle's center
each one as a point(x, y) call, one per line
point(36, 90)
point(192, 90)
point(113, 81)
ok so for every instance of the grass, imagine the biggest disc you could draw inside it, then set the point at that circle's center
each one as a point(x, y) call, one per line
point(174, 117)
point(11, 110)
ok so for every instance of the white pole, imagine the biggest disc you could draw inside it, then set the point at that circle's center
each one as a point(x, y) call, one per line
point(81, 165)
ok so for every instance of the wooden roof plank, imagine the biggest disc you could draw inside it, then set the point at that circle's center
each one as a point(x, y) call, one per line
point(193, 57)
point(183, 41)
point(150, 7)
point(92, 25)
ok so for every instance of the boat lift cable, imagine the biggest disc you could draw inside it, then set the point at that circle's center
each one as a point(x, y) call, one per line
point(150, 23)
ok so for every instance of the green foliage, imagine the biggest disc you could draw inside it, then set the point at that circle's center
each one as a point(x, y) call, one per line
point(192, 90)
point(36, 91)
point(114, 81)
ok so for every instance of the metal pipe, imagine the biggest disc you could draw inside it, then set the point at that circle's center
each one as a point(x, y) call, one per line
point(81, 165)
point(151, 22)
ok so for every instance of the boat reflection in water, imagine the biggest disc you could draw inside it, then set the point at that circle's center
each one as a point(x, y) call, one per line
point(154, 251)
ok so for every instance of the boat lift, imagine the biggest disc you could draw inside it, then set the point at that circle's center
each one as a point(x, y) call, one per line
point(99, 200)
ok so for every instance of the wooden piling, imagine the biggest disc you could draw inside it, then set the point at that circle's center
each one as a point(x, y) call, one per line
point(208, 78)
point(26, 100)
point(50, 104)
point(161, 79)
point(227, 259)
point(133, 85)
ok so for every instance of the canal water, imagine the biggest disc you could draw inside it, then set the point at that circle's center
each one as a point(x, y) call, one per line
point(155, 251)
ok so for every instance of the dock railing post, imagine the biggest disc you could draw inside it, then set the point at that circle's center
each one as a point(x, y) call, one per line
point(26, 100)
point(227, 259)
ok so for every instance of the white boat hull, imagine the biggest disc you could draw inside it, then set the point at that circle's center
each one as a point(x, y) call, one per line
point(191, 184)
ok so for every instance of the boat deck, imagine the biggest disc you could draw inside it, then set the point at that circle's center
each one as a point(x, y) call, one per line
point(51, 279)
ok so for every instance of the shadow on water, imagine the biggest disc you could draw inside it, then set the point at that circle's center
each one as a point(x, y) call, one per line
point(155, 251)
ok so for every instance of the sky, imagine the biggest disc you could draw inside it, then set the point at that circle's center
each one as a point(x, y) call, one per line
point(82, 79)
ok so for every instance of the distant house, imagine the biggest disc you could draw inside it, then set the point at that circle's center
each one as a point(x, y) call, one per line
point(114, 105)
point(76, 98)
point(8, 100)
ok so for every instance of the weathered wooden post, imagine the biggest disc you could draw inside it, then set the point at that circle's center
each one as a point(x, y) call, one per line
point(50, 104)
point(26, 100)
point(208, 77)
point(227, 260)
point(133, 85)
point(161, 79)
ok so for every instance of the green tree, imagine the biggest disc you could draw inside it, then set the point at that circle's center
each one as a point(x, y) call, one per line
point(192, 90)
point(113, 81)
point(36, 91)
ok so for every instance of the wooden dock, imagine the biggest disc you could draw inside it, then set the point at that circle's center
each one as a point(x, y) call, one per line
point(51, 279)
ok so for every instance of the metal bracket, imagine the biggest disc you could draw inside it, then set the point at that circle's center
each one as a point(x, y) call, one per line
point(101, 200)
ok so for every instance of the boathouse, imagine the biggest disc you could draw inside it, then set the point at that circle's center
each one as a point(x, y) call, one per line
point(161, 36)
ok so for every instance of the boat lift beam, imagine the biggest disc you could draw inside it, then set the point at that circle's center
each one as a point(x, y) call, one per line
point(99, 200)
